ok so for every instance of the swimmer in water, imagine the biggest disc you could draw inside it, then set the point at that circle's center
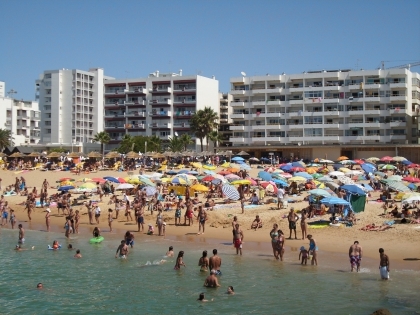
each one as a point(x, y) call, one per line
point(201, 298)
point(122, 250)
point(78, 255)
point(170, 252)
point(55, 245)
point(70, 247)
point(40, 286)
point(230, 290)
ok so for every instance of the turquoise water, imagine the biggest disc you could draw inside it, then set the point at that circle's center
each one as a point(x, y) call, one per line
point(99, 283)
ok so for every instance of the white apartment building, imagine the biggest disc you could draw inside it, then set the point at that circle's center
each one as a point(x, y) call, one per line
point(224, 118)
point(22, 119)
point(71, 102)
point(362, 108)
point(161, 104)
point(2, 89)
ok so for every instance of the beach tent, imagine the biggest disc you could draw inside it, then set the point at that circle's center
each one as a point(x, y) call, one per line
point(356, 196)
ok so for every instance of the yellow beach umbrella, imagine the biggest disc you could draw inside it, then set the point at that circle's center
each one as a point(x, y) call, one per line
point(311, 170)
point(319, 184)
point(297, 179)
point(241, 182)
point(166, 179)
point(344, 169)
point(85, 179)
point(197, 165)
point(132, 180)
point(88, 185)
point(209, 167)
point(199, 187)
point(225, 165)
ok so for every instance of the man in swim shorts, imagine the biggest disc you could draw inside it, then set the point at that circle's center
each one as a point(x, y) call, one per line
point(211, 281)
point(21, 234)
point(215, 262)
point(238, 237)
point(292, 218)
point(383, 264)
point(355, 255)
point(122, 250)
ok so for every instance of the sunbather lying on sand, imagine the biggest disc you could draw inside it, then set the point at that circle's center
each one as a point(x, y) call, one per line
point(373, 227)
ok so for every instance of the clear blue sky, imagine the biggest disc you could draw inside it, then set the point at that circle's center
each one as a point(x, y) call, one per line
point(221, 38)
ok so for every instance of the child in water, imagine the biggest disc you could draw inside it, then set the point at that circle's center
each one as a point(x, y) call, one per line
point(179, 261)
point(303, 254)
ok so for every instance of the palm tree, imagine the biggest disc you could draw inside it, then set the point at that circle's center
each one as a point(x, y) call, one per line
point(216, 137)
point(155, 143)
point(186, 140)
point(102, 137)
point(175, 144)
point(198, 127)
point(210, 118)
point(5, 138)
point(126, 144)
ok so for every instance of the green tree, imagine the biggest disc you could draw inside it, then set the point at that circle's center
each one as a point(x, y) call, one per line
point(102, 137)
point(216, 137)
point(186, 140)
point(5, 138)
point(175, 144)
point(154, 144)
point(198, 127)
point(203, 122)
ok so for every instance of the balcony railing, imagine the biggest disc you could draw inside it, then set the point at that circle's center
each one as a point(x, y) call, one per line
point(160, 113)
point(160, 102)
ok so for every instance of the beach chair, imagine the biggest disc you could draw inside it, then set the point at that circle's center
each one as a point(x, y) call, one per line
point(180, 166)
point(163, 168)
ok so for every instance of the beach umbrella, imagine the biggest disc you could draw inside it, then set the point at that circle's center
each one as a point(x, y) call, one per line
point(230, 192)
point(88, 186)
point(65, 188)
point(342, 158)
point(398, 186)
point(94, 154)
point(319, 192)
point(336, 173)
point(180, 181)
point(398, 158)
point(245, 167)
point(265, 176)
point(303, 174)
point(364, 187)
point(172, 172)
point(216, 181)
point(183, 172)
point(254, 159)
point(395, 177)
point(112, 179)
point(286, 167)
point(353, 172)
point(297, 169)
point(17, 155)
point(134, 180)
point(412, 186)
point(199, 187)
point(238, 158)
point(124, 186)
point(373, 158)
point(297, 179)
point(353, 189)
point(410, 199)
point(150, 191)
point(85, 179)
point(208, 178)
point(98, 180)
point(209, 172)
point(311, 170)
point(241, 182)
point(192, 173)
point(286, 175)
point(358, 161)
point(209, 167)
point(325, 179)
point(344, 170)
point(269, 169)
point(146, 181)
point(388, 167)
point(224, 172)
point(368, 168)
point(334, 201)
point(317, 176)
point(243, 153)
point(265, 160)
point(406, 162)
point(197, 165)
point(232, 177)
point(280, 182)
point(381, 174)
point(74, 155)
point(63, 179)
point(413, 165)
point(345, 180)
point(318, 184)
point(386, 159)
point(347, 162)
point(411, 179)
point(32, 154)
point(323, 161)
point(112, 155)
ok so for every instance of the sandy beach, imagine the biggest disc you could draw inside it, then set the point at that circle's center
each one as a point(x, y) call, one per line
point(400, 242)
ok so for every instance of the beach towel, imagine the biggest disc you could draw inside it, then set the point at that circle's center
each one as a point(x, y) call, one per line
point(389, 222)
point(250, 206)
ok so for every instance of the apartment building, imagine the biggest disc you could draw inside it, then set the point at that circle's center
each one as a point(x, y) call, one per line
point(71, 102)
point(344, 110)
point(161, 104)
point(2, 89)
point(22, 119)
point(224, 119)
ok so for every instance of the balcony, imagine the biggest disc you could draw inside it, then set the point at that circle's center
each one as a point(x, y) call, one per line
point(185, 90)
point(161, 102)
point(160, 125)
point(237, 127)
point(161, 90)
point(237, 104)
point(398, 124)
point(269, 139)
point(241, 116)
point(135, 114)
point(114, 115)
point(180, 126)
point(120, 90)
point(296, 101)
point(397, 85)
point(114, 127)
point(186, 114)
point(240, 92)
point(237, 139)
point(258, 127)
point(137, 90)
point(160, 114)
point(135, 126)
point(398, 98)
point(140, 102)
point(184, 101)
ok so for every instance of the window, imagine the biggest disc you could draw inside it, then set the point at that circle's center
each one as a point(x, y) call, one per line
point(48, 131)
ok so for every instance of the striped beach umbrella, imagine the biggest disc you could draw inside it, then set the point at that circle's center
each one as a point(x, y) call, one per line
point(230, 192)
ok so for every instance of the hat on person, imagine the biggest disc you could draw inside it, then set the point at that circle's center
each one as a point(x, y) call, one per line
point(48, 210)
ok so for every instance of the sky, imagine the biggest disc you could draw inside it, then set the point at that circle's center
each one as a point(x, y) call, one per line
point(130, 39)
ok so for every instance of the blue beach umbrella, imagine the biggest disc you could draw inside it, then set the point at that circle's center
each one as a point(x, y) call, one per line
point(286, 167)
point(111, 179)
point(265, 176)
point(65, 188)
point(303, 174)
point(353, 189)
point(230, 192)
point(245, 167)
point(334, 201)
point(172, 172)
point(209, 172)
point(406, 162)
point(183, 171)
point(319, 192)
point(280, 182)
point(237, 158)
point(368, 168)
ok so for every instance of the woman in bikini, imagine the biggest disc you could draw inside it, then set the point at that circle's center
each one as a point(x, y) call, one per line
point(77, 221)
point(204, 262)
point(128, 210)
point(159, 221)
point(179, 261)
point(274, 236)
point(280, 244)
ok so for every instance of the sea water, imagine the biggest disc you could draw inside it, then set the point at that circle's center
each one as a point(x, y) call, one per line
point(142, 284)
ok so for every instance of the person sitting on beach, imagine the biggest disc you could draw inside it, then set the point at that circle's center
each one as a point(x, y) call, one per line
point(151, 230)
point(254, 200)
point(196, 200)
point(209, 204)
point(257, 223)
point(351, 218)
point(394, 212)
